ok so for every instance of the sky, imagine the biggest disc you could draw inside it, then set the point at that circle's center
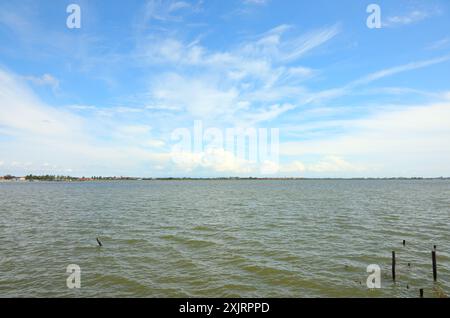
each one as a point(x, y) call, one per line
point(110, 98)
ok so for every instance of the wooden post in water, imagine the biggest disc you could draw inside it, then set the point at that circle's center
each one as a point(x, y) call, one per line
point(404, 242)
point(433, 257)
point(393, 266)
point(421, 293)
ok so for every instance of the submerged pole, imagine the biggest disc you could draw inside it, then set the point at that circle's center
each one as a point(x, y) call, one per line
point(433, 258)
point(421, 292)
point(99, 243)
point(393, 266)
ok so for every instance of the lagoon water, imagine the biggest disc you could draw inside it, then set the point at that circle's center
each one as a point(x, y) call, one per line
point(298, 238)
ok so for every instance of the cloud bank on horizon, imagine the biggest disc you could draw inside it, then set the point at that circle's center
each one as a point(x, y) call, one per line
point(105, 99)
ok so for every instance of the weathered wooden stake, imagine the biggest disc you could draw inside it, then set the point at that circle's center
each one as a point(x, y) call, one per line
point(393, 266)
point(404, 242)
point(99, 243)
point(433, 257)
point(421, 293)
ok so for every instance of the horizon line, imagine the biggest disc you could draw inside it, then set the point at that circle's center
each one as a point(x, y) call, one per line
point(32, 177)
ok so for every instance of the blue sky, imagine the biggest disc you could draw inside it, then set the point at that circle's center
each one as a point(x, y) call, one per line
point(105, 99)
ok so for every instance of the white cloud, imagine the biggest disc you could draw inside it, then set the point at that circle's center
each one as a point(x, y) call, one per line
point(231, 84)
point(178, 6)
point(82, 107)
point(215, 160)
point(162, 107)
point(14, 20)
point(21, 111)
point(122, 109)
point(200, 97)
point(406, 140)
point(399, 69)
point(334, 164)
point(155, 143)
point(272, 112)
point(326, 165)
point(442, 43)
point(410, 18)
point(347, 89)
point(256, 2)
point(300, 72)
point(168, 11)
point(61, 138)
point(407, 130)
point(300, 46)
point(280, 45)
point(293, 167)
point(134, 129)
point(44, 80)
point(157, 10)
point(255, 58)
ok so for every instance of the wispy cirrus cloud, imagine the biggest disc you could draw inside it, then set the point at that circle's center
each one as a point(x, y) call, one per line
point(179, 5)
point(169, 11)
point(400, 69)
point(440, 44)
point(375, 76)
point(44, 80)
point(256, 2)
point(236, 83)
point(412, 17)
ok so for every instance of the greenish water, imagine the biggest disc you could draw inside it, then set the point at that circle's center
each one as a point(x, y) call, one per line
point(223, 238)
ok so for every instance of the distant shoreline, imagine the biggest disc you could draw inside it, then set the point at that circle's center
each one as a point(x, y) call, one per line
point(7, 179)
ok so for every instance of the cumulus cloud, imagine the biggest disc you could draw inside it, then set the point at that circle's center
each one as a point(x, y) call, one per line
point(227, 163)
point(214, 159)
point(293, 167)
point(324, 166)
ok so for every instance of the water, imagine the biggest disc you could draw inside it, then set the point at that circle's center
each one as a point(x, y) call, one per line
point(223, 238)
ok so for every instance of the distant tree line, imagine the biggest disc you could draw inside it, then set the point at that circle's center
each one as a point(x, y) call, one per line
point(48, 177)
